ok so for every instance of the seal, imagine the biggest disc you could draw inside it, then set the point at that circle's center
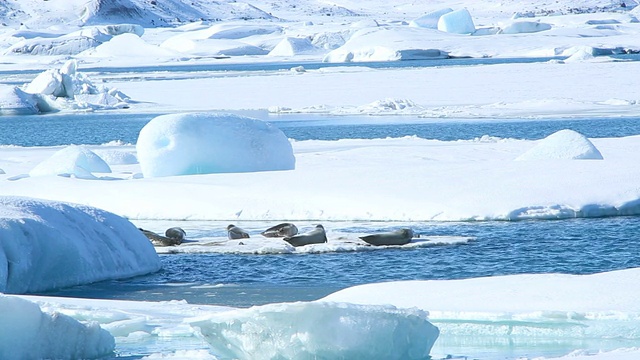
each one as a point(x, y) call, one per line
point(175, 233)
point(315, 236)
point(398, 237)
point(174, 237)
point(235, 232)
point(280, 230)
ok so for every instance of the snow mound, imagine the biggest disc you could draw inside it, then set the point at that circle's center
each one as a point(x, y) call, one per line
point(28, 333)
point(564, 144)
point(521, 27)
point(319, 330)
point(293, 46)
point(430, 20)
point(389, 105)
point(116, 157)
point(46, 245)
point(73, 160)
point(14, 101)
point(128, 45)
point(203, 143)
point(457, 22)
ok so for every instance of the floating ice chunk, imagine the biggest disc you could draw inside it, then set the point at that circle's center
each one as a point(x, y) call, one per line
point(14, 101)
point(28, 333)
point(72, 160)
point(321, 330)
point(430, 20)
point(457, 22)
point(54, 244)
point(204, 143)
point(292, 46)
point(520, 27)
point(564, 144)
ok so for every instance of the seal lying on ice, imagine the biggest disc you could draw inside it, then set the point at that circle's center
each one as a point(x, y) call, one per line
point(397, 237)
point(235, 232)
point(315, 236)
point(280, 230)
point(173, 236)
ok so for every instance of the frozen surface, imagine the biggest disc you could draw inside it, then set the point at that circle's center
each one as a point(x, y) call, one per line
point(29, 333)
point(564, 144)
point(187, 144)
point(47, 245)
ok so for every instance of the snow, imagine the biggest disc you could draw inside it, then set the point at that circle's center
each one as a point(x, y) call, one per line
point(49, 245)
point(28, 333)
point(390, 179)
point(200, 143)
point(564, 144)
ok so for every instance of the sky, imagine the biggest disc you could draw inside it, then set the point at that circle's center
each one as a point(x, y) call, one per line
point(477, 179)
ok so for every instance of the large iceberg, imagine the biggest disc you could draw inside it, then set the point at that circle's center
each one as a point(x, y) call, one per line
point(457, 22)
point(204, 143)
point(46, 245)
point(28, 333)
point(430, 20)
point(319, 330)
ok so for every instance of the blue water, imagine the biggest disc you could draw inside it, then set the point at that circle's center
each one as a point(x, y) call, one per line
point(100, 128)
point(576, 246)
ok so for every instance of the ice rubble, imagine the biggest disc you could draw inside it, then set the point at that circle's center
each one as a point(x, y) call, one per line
point(29, 333)
point(204, 143)
point(57, 89)
point(46, 245)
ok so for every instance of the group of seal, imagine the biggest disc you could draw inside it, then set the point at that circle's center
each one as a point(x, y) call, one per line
point(173, 236)
point(288, 232)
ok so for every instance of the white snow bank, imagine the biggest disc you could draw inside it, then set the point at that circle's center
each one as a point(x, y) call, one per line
point(457, 22)
point(46, 245)
point(28, 333)
point(521, 27)
point(564, 144)
point(73, 43)
point(14, 101)
point(128, 45)
point(290, 46)
point(319, 330)
point(430, 20)
point(116, 157)
point(73, 160)
point(204, 143)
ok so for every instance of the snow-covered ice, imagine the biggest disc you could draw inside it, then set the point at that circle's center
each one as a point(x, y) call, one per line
point(72, 160)
point(48, 245)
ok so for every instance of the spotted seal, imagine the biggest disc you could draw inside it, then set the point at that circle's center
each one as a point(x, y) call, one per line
point(235, 232)
point(315, 236)
point(397, 237)
point(280, 230)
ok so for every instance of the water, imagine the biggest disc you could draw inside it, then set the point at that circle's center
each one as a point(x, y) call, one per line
point(100, 128)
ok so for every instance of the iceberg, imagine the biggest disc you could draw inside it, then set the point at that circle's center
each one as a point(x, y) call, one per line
point(564, 144)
